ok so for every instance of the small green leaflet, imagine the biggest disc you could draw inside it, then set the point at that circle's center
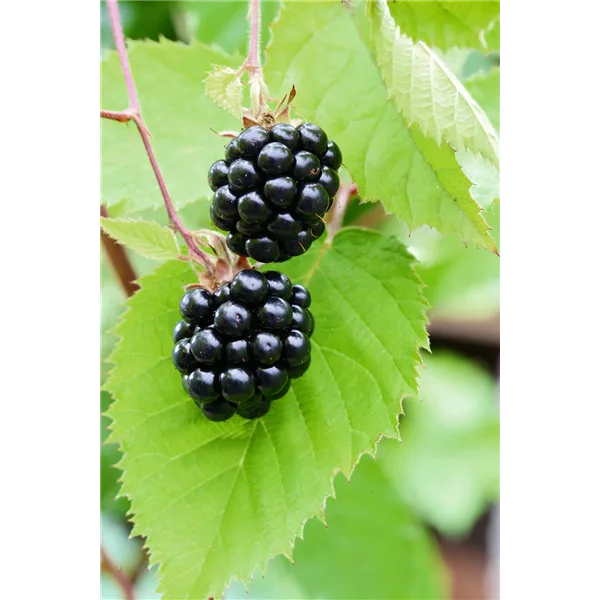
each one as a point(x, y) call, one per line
point(427, 92)
point(373, 547)
point(180, 117)
point(326, 53)
point(449, 24)
point(217, 500)
point(223, 85)
point(145, 237)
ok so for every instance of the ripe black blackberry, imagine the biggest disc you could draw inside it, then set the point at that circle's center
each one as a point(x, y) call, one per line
point(239, 348)
point(273, 190)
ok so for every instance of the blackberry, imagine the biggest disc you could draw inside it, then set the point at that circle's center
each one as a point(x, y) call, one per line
point(238, 348)
point(254, 410)
point(219, 410)
point(183, 330)
point(273, 189)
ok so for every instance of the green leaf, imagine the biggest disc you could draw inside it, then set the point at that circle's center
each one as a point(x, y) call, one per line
point(412, 175)
point(373, 548)
point(447, 468)
point(146, 237)
point(460, 283)
point(448, 24)
point(169, 78)
point(485, 88)
point(109, 456)
point(224, 87)
point(216, 500)
point(427, 92)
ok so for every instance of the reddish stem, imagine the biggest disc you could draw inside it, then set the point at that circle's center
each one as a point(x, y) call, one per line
point(133, 113)
point(117, 30)
point(253, 59)
point(116, 115)
point(107, 565)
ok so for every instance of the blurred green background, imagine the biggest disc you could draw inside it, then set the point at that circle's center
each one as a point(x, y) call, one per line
point(442, 480)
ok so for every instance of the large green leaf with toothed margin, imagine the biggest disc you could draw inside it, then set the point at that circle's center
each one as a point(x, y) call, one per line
point(427, 92)
point(327, 53)
point(217, 500)
point(179, 115)
point(373, 547)
point(448, 24)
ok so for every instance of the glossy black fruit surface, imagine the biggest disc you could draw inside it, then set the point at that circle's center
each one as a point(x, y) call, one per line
point(243, 175)
point(207, 347)
point(300, 296)
point(183, 330)
point(237, 384)
point(271, 380)
point(244, 354)
point(182, 357)
point(307, 167)
point(285, 134)
point(276, 313)
point(280, 192)
point(217, 175)
point(273, 188)
point(196, 306)
point(296, 348)
point(333, 156)
point(249, 286)
point(313, 138)
point(233, 319)
point(260, 409)
point(263, 249)
point(253, 209)
point(202, 386)
point(330, 180)
point(252, 140)
point(312, 200)
point(225, 203)
point(278, 284)
point(274, 159)
point(219, 410)
point(266, 348)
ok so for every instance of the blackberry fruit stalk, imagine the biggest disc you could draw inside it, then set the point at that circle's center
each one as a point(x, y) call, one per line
point(239, 348)
point(273, 189)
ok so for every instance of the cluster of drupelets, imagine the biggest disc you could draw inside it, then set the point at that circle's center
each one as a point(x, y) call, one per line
point(239, 348)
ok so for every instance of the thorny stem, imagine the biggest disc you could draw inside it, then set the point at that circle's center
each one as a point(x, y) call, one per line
point(252, 62)
point(132, 113)
point(117, 31)
point(108, 566)
point(253, 55)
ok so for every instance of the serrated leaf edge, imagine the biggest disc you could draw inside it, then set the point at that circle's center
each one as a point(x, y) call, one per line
point(129, 220)
point(320, 513)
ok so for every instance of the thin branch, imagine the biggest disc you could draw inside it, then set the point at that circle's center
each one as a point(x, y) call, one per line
point(119, 261)
point(253, 59)
point(115, 115)
point(252, 62)
point(108, 566)
point(133, 113)
point(117, 31)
